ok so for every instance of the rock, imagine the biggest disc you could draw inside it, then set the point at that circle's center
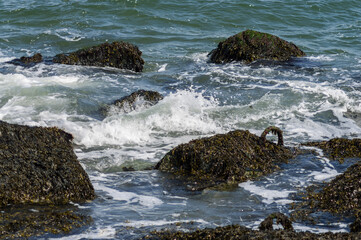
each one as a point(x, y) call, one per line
point(224, 158)
point(31, 222)
point(38, 166)
point(249, 46)
point(36, 58)
point(339, 148)
point(28, 61)
point(282, 219)
point(117, 54)
point(237, 232)
point(341, 196)
point(136, 100)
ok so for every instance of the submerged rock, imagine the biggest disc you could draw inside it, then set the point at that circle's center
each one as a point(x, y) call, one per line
point(138, 99)
point(339, 148)
point(38, 166)
point(117, 54)
point(249, 46)
point(224, 158)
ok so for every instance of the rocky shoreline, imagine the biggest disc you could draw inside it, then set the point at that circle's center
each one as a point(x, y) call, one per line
point(39, 169)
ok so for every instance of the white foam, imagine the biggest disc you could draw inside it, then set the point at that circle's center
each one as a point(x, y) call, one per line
point(108, 232)
point(129, 197)
point(147, 223)
point(268, 196)
point(162, 67)
point(70, 35)
point(183, 111)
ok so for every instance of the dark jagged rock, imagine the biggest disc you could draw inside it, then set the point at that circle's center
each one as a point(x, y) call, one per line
point(117, 54)
point(282, 219)
point(138, 99)
point(249, 46)
point(23, 223)
point(339, 148)
point(236, 232)
point(38, 166)
point(224, 158)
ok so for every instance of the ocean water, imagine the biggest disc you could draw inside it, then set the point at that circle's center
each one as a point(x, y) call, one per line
point(316, 97)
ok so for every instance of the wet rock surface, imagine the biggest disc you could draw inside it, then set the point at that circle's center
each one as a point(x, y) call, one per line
point(121, 55)
point(339, 148)
point(249, 46)
point(134, 101)
point(38, 166)
point(224, 159)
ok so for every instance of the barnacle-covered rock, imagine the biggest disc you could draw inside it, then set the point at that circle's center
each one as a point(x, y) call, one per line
point(249, 46)
point(224, 158)
point(38, 166)
point(339, 148)
point(136, 100)
point(121, 55)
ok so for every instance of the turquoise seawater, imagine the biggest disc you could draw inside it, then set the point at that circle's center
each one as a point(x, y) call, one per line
point(316, 97)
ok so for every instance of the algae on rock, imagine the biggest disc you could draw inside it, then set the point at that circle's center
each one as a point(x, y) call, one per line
point(224, 158)
point(339, 148)
point(250, 45)
point(38, 166)
point(121, 55)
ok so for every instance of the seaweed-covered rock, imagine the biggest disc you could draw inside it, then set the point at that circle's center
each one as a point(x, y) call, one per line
point(235, 232)
point(339, 148)
point(38, 165)
point(138, 99)
point(121, 55)
point(26, 222)
point(36, 58)
point(282, 219)
point(342, 194)
point(28, 61)
point(224, 158)
point(341, 197)
point(250, 45)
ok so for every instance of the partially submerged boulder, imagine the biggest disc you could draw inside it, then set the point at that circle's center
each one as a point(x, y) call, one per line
point(136, 100)
point(339, 148)
point(28, 61)
point(225, 158)
point(121, 55)
point(38, 166)
point(249, 46)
